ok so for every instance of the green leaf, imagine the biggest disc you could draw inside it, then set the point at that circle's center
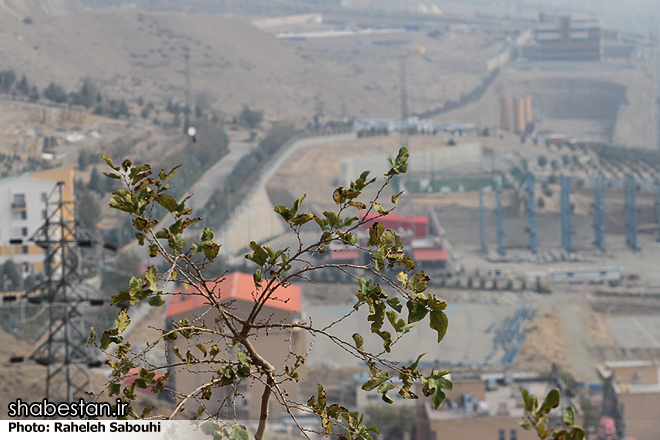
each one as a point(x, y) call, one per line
point(439, 323)
point(238, 432)
point(207, 234)
point(569, 417)
point(121, 205)
point(92, 337)
point(210, 250)
point(416, 310)
point(113, 389)
point(551, 401)
point(284, 212)
point(379, 209)
point(296, 204)
point(358, 205)
point(339, 195)
point(152, 277)
point(438, 398)
point(156, 301)
point(167, 202)
point(167, 176)
point(395, 198)
point(418, 282)
point(375, 381)
point(259, 256)
point(530, 401)
point(109, 162)
point(242, 358)
point(153, 250)
point(122, 321)
point(359, 341)
point(201, 348)
point(176, 352)
point(333, 218)
point(213, 351)
point(526, 425)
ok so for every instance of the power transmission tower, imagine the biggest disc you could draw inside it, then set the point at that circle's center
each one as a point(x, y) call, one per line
point(186, 123)
point(630, 212)
point(64, 351)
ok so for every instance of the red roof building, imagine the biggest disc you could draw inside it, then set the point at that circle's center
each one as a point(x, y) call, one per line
point(238, 291)
point(235, 286)
point(423, 240)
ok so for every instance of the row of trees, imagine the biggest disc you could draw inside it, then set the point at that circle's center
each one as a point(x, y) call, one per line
point(223, 200)
point(89, 95)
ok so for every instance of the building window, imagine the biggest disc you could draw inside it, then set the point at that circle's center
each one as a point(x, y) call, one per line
point(19, 201)
point(44, 214)
point(23, 215)
point(501, 435)
point(513, 435)
point(44, 196)
point(24, 232)
point(25, 249)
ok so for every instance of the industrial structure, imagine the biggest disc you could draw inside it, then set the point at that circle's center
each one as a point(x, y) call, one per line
point(422, 237)
point(630, 212)
point(516, 114)
point(567, 39)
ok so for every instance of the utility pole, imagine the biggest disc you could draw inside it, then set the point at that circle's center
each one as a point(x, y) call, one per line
point(404, 104)
point(186, 124)
point(566, 224)
point(500, 217)
point(482, 222)
point(599, 213)
point(630, 213)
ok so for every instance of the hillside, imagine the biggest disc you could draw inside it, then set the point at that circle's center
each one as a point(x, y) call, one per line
point(18, 10)
point(131, 54)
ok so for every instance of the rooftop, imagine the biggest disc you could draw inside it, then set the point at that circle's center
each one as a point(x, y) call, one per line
point(235, 286)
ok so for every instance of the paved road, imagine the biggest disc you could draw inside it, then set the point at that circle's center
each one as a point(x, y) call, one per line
point(216, 176)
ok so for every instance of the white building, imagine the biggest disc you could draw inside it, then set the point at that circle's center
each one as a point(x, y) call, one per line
point(22, 212)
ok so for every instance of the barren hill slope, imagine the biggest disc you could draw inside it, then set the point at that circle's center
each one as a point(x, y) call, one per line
point(18, 10)
point(133, 53)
